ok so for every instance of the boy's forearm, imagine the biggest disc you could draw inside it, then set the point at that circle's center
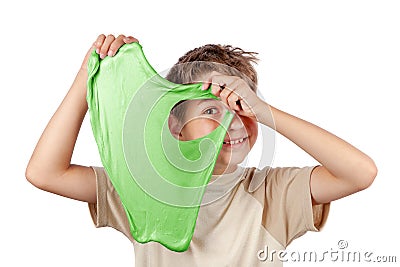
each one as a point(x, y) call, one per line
point(339, 157)
point(53, 152)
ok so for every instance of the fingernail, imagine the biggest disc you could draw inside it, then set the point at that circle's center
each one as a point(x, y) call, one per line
point(97, 51)
point(102, 56)
point(110, 53)
point(205, 86)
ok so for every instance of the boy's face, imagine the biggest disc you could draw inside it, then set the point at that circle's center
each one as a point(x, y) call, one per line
point(201, 117)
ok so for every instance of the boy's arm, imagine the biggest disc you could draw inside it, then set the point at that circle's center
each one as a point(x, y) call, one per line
point(345, 169)
point(50, 167)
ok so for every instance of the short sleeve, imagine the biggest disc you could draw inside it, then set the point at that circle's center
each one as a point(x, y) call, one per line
point(289, 210)
point(108, 209)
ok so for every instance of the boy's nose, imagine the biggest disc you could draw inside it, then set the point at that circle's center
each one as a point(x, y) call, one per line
point(236, 122)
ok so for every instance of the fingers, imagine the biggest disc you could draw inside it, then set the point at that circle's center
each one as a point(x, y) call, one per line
point(234, 95)
point(130, 39)
point(99, 42)
point(234, 102)
point(109, 45)
point(234, 92)
point(104, 50)
point(115, 45)
point(228, 89)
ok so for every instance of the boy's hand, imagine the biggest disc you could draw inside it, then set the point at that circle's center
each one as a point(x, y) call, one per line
point(236, 94)
point(50, 166)
point(107, 46)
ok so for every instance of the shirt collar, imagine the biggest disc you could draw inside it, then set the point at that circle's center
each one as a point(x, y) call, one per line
point(220, 185)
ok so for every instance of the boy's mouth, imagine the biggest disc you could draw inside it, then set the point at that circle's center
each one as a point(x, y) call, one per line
point(235, 142)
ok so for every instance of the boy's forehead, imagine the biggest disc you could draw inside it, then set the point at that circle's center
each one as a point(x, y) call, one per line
point(206, 101)
point(200, 103)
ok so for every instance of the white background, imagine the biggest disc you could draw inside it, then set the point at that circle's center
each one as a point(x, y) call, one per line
point(333, 63)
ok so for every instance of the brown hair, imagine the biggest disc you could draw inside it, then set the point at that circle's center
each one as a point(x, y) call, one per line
point(225, 59)
point(230, 61)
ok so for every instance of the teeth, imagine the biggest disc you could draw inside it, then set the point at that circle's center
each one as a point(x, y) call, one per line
point(235, 142)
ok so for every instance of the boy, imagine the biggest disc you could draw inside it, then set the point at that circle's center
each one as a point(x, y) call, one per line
point(262, 207)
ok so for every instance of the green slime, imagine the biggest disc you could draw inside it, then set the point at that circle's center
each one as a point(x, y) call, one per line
point(160, 180)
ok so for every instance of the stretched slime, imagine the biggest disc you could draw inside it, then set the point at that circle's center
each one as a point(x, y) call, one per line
point(160, 180)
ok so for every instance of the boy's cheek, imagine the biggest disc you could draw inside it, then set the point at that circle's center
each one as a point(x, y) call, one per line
point(252, 131)
point(198, 128)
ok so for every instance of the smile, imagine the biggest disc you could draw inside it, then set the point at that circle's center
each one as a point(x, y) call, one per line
point(234, 142)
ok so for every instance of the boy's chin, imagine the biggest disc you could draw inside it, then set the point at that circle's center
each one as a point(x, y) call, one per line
point(231, 159)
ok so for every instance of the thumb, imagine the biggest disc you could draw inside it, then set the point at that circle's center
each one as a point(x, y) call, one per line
point(85, 60)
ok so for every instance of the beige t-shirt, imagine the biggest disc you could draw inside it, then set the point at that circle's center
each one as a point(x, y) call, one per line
point(243, 214)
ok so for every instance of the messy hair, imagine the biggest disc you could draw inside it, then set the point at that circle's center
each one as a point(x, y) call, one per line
point(224, 59)
point(230, 61)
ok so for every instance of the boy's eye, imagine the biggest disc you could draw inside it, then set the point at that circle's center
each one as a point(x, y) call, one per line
point(211, 111)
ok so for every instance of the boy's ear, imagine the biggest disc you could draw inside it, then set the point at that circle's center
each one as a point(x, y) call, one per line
point(174, 126)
